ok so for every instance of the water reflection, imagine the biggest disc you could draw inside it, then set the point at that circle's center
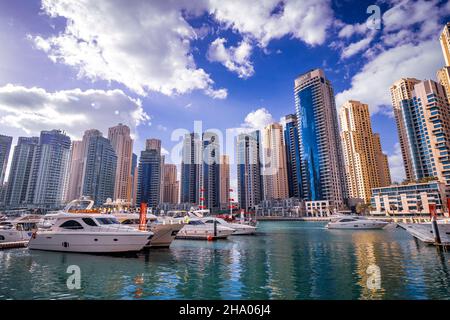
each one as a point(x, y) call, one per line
point(294, 260)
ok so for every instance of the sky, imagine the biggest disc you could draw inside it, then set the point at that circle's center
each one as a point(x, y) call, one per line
point(159, 66)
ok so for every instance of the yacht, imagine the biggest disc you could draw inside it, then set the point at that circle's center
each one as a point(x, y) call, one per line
point(424, 232)
point(164, 230)
point(196, 229)
point(19, 229)
point(239, 229)
point(356, 223)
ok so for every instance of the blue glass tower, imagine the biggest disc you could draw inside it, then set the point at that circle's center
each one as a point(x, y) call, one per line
point(149, 176)
point(293, 156)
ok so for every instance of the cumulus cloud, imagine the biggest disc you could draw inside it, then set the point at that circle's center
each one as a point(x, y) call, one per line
point(27, 111)
point(235, 59)
point(306, 20)
point(396, 164)
point(145, 45)
point(258, 119)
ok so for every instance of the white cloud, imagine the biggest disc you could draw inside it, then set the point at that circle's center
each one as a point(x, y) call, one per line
point(161, 127)
point(371, 84)
point(144, 45)
point(306, 20)
point(396, 165)
point(258, 119)
point(235, 59)
point(27, 111)
point(356, 47)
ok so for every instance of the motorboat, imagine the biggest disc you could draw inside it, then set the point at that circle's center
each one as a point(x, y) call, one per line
point(239, 229)
point(424, 232)
point(19, 229)
point(88, 233)
point(164, 230)
point(196, 229)
point(355, 223)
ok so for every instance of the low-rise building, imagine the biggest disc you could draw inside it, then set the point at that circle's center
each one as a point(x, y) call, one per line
point(319, 208)
point(291, 207)
point(412, 198)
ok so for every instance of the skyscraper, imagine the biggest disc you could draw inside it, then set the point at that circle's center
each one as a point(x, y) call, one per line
point(20, 172)
point(210, 171)
point(5, 148)
point(293, 166)
point(134, 175)
point(224, 180)
point(170, 189)
point(123, 146)
point(445, 43)
point(427, 121)
point(250, 182)
point(275, 172)
point(401, 96)
point(100, 169)
point(48, 182)
point(149, 176)
point(362, 151)
point(384, 172)
point(190, 169)
point(320, 147)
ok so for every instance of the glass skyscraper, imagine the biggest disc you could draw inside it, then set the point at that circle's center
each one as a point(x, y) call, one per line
point(321, 157)
point(292, 143)
point(149, 174)
point(210, 173)
point(5, 148)
point(190, 169)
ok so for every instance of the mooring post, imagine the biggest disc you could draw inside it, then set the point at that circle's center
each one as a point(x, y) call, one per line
point(434, 224)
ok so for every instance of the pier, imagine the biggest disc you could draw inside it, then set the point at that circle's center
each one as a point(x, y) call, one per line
point(13, 245)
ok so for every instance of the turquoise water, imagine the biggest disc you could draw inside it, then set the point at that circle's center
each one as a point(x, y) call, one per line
point(286, 260)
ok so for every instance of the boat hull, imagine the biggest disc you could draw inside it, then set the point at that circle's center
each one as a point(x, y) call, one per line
point(357, 226)
point(84, 242)
point(202, 233)
point(14, 235)
point(164, 234)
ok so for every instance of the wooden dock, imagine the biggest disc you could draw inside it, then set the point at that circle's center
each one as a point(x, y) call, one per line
point(13, 245)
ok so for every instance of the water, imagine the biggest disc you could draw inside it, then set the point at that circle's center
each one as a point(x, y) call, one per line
point(287, 260)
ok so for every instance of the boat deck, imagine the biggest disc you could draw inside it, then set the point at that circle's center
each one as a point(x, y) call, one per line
point(13, 245)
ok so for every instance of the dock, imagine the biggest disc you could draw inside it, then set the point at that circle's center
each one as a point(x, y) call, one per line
point(13, 245)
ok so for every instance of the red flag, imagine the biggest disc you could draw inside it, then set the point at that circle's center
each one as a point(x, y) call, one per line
point(432, 208)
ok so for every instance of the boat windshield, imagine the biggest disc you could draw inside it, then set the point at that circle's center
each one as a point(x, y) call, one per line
point(195, 222)
point(107, 221)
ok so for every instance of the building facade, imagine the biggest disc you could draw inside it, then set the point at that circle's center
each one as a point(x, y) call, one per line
point(171, 184)
point(190, 169)
point(365, 164)
point(275, 171)
point(100, 170)
point(123, 146)
point(249, 177)
point(149, 175)
point(224, 181)
point(210, 171)
point(321, 157)
point(444, 39)
point(20, 173)
point(5, 149)
point(291, 138)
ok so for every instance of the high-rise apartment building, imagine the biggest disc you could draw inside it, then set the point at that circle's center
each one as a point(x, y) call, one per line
point(401, 96)
point(210, 171)
point(443, 77)
point(20, 173)
point(100, 170)
point(291, 139)
point(149, 174)
point(444, 39)
point(224, 180)
point(134, 175)
point(250, 181)
point(384, 173)
point(275, 171)
point(5, 148)
point(48, 182)
point(361, 150)
point(170, 188)
point(321, 157)
point(190, 169)
point(123, 146)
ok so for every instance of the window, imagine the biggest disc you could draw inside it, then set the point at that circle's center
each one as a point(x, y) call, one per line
point(195, 222)
point(71, 224)
point(107, 220)
point(89, 222)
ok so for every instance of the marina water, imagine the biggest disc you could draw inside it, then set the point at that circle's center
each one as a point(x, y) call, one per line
point(286, 260)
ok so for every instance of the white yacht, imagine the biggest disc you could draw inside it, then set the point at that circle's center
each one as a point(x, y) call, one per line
point(424, 232)
point(164, 230)
point(196, 229)
point(239, 229)
point(355, 223)
point(19, 229)
point(88, 233)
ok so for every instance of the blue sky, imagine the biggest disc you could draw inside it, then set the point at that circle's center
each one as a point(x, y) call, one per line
point(161, 65)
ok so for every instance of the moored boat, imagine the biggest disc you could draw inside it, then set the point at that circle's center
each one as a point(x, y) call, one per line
point(19, 229)
point(355, 223)
point(239, 229)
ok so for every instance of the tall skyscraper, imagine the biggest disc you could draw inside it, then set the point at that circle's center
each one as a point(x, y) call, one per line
point(401, 96)
point(293, 166)
point(134, 175)
point(384, 172)
point(5, 148)
point(149, 176)
point(190, 169)
point(20, 173)
point(170, 189)
point(123, 146)
point(362, 151)
point(321, 157)
point(275, 171)
point(445, 43)
point(100, 169)
point(443, 77)
point(210, 171)
point(48, 182)
point(224, 180)
point(250, 182)
point(427, 121)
